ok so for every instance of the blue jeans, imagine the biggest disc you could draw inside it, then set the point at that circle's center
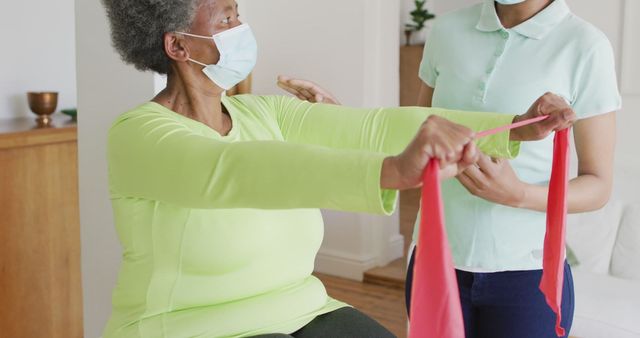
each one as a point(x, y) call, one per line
point(507, 304)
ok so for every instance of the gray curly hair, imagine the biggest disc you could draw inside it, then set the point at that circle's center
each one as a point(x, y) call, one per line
point(138, 26)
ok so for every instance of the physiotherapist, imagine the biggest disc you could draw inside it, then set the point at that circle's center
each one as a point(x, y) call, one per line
point(495, 211)
point(499, 56)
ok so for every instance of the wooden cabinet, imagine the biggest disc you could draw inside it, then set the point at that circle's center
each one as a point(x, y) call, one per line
point(40, 283)
point(410, 57)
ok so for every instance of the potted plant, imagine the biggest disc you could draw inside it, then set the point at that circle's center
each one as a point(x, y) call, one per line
point(419, 16)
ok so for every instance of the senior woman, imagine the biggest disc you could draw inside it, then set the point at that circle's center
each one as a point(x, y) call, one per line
point(216, 198)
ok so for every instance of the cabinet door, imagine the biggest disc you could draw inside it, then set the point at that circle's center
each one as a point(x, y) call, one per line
point(40, 286)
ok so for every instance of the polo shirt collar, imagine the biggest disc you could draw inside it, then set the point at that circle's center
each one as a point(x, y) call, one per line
point(535, 28)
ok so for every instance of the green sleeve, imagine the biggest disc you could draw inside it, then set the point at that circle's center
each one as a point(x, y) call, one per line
point(154, 157)
point(386, 130)
point(332, 158)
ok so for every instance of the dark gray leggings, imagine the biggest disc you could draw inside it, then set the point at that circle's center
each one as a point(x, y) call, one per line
point(343, 323)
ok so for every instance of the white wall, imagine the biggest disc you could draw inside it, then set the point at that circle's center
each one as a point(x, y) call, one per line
point(349, 47)
point(106, 88)
point(38, 53)
point(343, 45)
point(627, 161)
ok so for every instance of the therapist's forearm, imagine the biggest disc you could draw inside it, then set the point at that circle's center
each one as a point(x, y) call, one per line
point(591, 190)
point(586, 193)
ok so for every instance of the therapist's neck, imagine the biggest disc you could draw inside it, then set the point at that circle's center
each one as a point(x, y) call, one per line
point(191, 94)
point(513, 15)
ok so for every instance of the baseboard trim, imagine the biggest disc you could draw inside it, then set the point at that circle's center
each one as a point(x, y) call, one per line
point(343, 264)
point(396, 248)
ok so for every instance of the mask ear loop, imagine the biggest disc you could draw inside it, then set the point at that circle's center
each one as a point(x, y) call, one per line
point(196, 36)
point(197, 62)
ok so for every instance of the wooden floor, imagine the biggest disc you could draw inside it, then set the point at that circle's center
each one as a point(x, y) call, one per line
point(392, 275)
point(383, 303)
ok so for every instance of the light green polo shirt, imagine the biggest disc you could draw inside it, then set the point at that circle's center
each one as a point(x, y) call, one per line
point(220, 233)
point(475, 64)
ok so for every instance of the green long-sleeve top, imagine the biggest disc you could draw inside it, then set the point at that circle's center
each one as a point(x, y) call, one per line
point(220, 233)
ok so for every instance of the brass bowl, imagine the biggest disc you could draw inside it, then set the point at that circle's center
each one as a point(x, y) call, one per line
point(43, 104)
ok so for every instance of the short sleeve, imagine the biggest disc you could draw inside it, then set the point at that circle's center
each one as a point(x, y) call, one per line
point(596, 90)
point(428, 72)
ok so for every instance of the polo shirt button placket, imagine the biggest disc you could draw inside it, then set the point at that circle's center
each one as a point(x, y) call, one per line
point(482, 93)
point(482, 89)
point(498, 55)
point(485, 81)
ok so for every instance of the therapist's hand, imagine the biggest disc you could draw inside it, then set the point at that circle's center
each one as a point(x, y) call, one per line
point(494, 180)
point(450, 143)
point(561, 116)
point(306, 90)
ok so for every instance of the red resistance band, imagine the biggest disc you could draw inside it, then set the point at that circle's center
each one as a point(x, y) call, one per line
point(435, 301)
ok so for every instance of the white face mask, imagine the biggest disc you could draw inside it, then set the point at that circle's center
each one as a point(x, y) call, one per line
point(509, 2)
point(238, 55)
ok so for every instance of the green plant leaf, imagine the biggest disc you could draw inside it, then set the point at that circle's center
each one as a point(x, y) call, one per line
point(419, 16)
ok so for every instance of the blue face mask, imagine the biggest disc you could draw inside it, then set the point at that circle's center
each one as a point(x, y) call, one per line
point(509, 2)
point(238, 56)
